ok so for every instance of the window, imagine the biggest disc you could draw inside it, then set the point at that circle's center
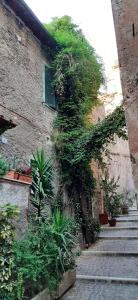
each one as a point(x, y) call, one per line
point(50, 98)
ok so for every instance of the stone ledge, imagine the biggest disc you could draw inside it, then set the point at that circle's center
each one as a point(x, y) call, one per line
point(109, 253)
point(127, 220)
point(119, 228)
point(4, 179)
point(118, 237)
point(108, 279)
point(68, 281)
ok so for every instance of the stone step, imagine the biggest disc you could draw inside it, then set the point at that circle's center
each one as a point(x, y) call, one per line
point(119, 237)
point(123, 224)
point(119, 233)
point(132, 215)
point(124, 220)
point(108, 279)
point(119, 228)
point(109, 253)
point(115, 245)
point(133, 211)
point(127, 218)
point(108, 266)
point(90, 290)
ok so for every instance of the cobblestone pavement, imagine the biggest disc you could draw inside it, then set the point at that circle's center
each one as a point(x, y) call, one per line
point(109, 266)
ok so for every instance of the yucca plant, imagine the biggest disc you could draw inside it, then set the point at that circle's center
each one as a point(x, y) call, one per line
point(42, 173)
point(64, 233)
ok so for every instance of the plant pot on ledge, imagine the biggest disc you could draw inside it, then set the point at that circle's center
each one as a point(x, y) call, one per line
point(112, 222)
point(25, 178)
point(11, 174)
point(125, 209)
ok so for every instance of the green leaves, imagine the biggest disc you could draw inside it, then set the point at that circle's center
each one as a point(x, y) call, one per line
point(7, 233)
point(44, 253)
point(3, 166)
point(42, 172)
point(78, 77)
point(112, 198)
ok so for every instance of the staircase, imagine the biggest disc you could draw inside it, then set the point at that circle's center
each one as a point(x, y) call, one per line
point(109, 269)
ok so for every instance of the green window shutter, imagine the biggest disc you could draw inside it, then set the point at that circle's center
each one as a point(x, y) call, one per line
point(50, 98)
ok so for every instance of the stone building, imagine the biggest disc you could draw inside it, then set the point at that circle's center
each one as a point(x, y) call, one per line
point(27, 99)
point(125, 14)
point(26, 95)
point(119, 162)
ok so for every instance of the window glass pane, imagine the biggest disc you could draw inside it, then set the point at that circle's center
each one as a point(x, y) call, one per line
point(49, 90)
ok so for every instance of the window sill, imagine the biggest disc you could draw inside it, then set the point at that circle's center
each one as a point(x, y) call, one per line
point(49, 107)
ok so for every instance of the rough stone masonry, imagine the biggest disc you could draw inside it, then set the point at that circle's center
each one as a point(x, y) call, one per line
point(125, 14)
point(22, 65)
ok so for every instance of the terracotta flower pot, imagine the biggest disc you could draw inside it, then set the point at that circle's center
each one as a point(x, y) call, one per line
point(16, 175)
point(25, 178)
point(103, 218)
point(112, 222)
point(10, 174)
point(125, 209)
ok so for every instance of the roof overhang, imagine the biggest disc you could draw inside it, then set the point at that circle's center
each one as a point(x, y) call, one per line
point(22, 10)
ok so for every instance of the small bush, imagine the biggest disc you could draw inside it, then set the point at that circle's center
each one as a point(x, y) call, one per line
point(7, 232)
point(112, 199)
point(3, 166)
point(90, 229)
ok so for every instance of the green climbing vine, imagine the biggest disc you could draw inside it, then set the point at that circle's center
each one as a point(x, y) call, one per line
point(78, 77)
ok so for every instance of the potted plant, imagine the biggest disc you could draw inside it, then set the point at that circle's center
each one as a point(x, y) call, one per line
point(112, 199)
point(127, 202)
point(103, 218)
point(3, 166)
point(90, 228)
point(11, 174)
point(124, 208)
point(24, 175)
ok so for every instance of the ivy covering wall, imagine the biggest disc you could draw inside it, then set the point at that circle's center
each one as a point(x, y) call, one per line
point(78, 77)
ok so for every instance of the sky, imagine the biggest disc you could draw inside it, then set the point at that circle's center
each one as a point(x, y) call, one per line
point(93, 16)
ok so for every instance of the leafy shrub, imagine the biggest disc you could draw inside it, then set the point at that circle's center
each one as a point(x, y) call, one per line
point(44, 253)
point(7, 232)
point(90, 229)
point(3, 166)
point(112, 199)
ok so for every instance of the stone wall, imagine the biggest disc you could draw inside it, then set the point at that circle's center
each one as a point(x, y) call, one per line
point(97, 115)
point(16, 193)
point(126, 25)
point(120, 165)
point(22, 63)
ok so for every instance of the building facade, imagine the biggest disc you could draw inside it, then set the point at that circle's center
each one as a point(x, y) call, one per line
point(26, 97)
point(119, 163)
point(125, 13)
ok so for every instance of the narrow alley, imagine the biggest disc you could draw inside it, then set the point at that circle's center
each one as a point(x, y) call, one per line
point(109, 269)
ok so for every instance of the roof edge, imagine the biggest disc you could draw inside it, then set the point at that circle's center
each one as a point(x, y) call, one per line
point(22, 10)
